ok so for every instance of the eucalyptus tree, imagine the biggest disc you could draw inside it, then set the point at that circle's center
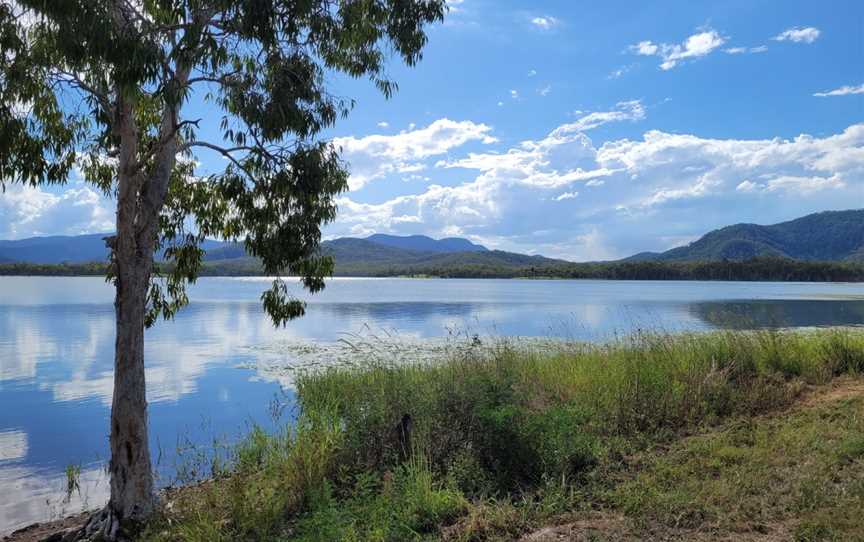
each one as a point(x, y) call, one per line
point(107, 90)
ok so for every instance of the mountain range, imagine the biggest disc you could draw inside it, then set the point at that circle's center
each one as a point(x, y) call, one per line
point(828, 236)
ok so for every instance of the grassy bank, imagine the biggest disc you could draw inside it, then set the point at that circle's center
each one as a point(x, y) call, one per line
point(666, 434)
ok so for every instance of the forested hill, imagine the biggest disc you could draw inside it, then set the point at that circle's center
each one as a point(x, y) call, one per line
point(78, 249)
point(56, 249)
point(826, 236)
point(422, 243)
point(364, 257)
point(821, 247)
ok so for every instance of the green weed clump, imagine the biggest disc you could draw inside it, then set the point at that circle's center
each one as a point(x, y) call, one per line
point(474, 446)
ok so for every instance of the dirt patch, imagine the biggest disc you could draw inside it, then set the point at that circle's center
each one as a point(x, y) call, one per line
point(837, 390)
point(620, 529)
point(595, 527)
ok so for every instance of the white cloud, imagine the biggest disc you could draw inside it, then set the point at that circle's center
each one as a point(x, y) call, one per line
point(383, 124)
point(747, 186)
point(633, 194)
point(374, 156)
point(804, 185)
point(27, 211)
point(631, 110)
point(545, 90)
point(615, 74)
point(455, 5)
point(745, 50)
point(532, 73)
point(514, 94)
point(645, 48)
point(545, 22)
point(842, 91)
point(799, 34)
point(697, 45)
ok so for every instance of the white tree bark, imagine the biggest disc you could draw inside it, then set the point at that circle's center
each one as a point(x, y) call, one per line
point(133, 495)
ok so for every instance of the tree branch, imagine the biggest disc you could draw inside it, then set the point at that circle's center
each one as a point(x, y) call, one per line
point(224, 152)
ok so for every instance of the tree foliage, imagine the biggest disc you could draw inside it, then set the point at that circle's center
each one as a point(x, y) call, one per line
point(107, 88)
point(71, 70)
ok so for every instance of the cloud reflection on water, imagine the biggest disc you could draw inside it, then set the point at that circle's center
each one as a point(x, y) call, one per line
point(57, 340)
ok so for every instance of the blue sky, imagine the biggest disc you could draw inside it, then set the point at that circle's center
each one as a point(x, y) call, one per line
point(587, 130)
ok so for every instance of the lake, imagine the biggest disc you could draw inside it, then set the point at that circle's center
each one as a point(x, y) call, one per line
point(209, 371)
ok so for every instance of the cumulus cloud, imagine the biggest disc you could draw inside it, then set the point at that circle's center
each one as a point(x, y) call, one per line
point(374, 156)
point(799, 34)
point(622, 196)
point(545, 22)
point(695, 46)
point(562, 195)
point(26, 211)
point(842, 91)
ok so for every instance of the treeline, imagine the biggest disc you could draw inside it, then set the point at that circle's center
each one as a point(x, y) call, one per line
point(755, 269)
point(53, 270)
point(764, 268)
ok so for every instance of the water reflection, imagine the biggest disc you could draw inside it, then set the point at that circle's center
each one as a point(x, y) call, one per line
point(779, 313)
point(33, 495)
point(57, 339)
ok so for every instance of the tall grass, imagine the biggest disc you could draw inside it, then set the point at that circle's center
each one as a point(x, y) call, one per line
point(498, 423)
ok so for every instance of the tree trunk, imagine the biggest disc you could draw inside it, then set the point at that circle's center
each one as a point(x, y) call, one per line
point(139, 202)
point(132, 493)
point(133, 497)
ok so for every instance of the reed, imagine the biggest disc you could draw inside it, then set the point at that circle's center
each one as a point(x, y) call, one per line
point(498, 434)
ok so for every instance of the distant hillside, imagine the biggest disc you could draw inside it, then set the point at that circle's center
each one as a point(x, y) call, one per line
point(377, 248)
point(55, 249)
point(378, 254)
point(824, 237)
point(363, 257)
point(827, 236)
point(422, 243)
point(65, 249)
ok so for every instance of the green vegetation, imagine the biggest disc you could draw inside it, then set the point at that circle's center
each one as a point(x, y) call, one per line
point(672, 435)
point(82, 82)
point(826, 236)
point(803, 473)
point(483, 265)
point(73, 479)
point(494, 264)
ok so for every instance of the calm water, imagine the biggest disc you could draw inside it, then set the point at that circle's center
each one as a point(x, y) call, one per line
point(57, 338)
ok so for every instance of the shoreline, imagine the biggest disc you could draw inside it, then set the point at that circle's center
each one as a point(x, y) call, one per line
point(571, 417)
point(477, 278)
point(771, 269)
